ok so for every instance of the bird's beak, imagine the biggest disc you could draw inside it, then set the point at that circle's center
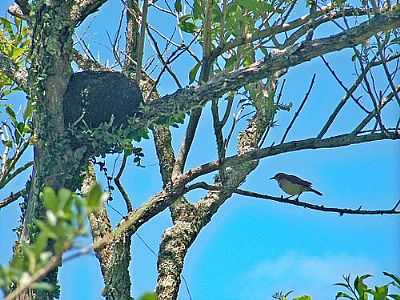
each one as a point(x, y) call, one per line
point(272, 178)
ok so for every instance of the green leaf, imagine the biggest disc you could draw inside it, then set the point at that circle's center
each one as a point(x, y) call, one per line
point(193, 73)
point(28, 110)
point(10, 112)
point(40, 244)
point(94, 197)
point(304, 297)
point(197, 10)
point(178, 5)
point(361, 287)
point(46, 229)
point(50, 199)
point(148, 296)
point(17, 53)
point(380, 292)
point(343, 295)
point(7, 26)
point(64, 195)
point(258, 6)
point(186, 24)
point(394, 296)
point(394, 277)
point(250, 4)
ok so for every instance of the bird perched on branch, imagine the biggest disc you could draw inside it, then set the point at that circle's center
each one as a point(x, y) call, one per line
point(294, 185)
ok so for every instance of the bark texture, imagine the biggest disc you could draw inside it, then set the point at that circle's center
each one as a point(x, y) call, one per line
point(55, 163)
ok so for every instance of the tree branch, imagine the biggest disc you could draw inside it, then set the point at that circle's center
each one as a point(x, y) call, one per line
point(340, 211)
point(299, 109)
point(312, 143)
point(286, 27)
point(186, 99)
point(11, 198)
point(83, 8)
point(114, 257)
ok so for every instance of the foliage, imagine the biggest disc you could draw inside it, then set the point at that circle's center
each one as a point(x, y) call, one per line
point(232, 36)
point(14, 43)
point(65, 220)
point(359, 290)
point(148, 296)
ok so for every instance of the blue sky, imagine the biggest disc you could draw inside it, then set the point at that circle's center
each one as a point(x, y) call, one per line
point(253, 248)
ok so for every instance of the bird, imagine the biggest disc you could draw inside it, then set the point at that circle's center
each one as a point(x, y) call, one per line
point(294, 185)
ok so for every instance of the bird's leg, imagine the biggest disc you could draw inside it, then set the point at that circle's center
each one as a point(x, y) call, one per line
point(298, 195)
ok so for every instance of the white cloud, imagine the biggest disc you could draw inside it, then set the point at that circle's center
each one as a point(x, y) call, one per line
point(323, 269)
point(305, 274)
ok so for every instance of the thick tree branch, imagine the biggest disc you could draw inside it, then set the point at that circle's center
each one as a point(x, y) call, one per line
point(186, 99)
point(83, 8)
point(114, 257)
point(178, 239)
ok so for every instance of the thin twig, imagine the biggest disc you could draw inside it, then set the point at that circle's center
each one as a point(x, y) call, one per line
point(299, 110)
point(371, 115)
point(120, 187)
point(139, 57)
point(348, 91)
point(161, 58)
point(386, 69)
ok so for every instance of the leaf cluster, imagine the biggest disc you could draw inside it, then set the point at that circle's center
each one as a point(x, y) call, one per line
point(66, 213)
point(14, 44)
point(359, 290)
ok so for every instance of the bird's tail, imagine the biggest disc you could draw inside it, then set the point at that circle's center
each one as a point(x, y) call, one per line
point(315, 191)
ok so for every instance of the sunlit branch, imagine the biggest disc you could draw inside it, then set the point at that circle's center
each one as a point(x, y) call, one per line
point(83, 8)
point(188, 98)
point(340, 211)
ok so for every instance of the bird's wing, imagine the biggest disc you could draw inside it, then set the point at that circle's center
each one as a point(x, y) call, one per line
point(298, 180)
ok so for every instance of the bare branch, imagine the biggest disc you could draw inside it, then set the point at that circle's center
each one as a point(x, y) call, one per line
point(349, 92)
point(16, 11)
point(11, 198)
point(371, 115)
point(120, 187)
point(195, 115)
point(340, 211)
point(386, 69)
point(24, 6)
point(299, 109)
point(83, 8)
point(312, 143)
point(161, 58)
point(86, 63)
point(140, 45)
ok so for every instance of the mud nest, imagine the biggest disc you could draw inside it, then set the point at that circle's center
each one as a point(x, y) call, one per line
point(94, 97)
